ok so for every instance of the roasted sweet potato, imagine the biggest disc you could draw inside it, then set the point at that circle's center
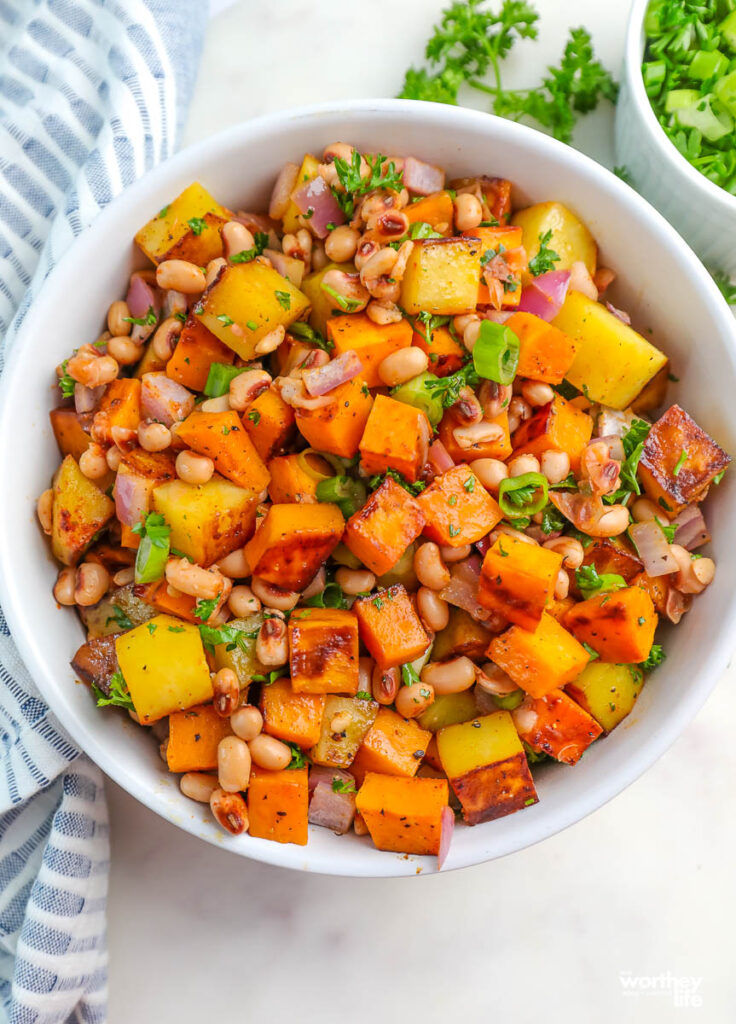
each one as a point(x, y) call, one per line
point(337, 749)
point(69, 431)
point(619, 626)
point(518, 580)
point(292, 716)
point(188, 228)
point(498, 449)
point(193, 738)
point(546, 353)
point(294, 478)
point(436, 210)
point(159, 595)
point(196, 350)
point(381, 531)
point(120, 406)
point(372, 342)
point(207, 521)
point(278, 805)
point(442, 277)
point(607, 692)
point(80, 509)
point(679, 461)
point(446, 354)
point(269, 422)
point(292, 542)
point(555, 725)
point(541, 661)
point(403, 815)
point(612, 555)
point(323, 651)
point(396, 436)
point(652, 397)
point(393, 745)
point(457, 508)
point(390, 627)
point(462, 635)
point(220, 436)
point(337, 428)
point(559, 425)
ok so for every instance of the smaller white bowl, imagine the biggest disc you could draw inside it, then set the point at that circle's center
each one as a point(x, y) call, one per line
point(703, 213)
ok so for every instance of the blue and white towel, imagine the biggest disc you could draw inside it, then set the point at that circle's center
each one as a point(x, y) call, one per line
point(92, 95)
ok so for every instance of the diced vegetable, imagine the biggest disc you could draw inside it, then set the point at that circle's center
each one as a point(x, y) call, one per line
point(613, 555)
point(653, 396)
point(607, 692)
point(560, 425)
point(196, 351)
point(497, 449)
point(403, 815)
point(555, 725)
point(220, 436)
point(96, 661)
point(137, 476)
point(278, 805)
point(463, 635)
point(393, 746)
point(292, 716)
point(546, 352)
point(396, 436)
point(518, 580)
point(80, 510)
point(436, 210)
point(541, 661)
point(208, 520)
point(446, 354)
point(188, 228)
point(70, 434)
point(323, 651)
point(570, 238)
point(448, 709)
point(384, 527)
point(292, 542)
point(338, 427)
point(339, 748)
point(390, 627)
point(442, 277)
point(417, 393)
point(122, 607)
point(322, 304)
point(372, 342)
point(332, 803)
point(457, 508)
point(193, 738)
point(269, 423)
point(294, 478)
point(619, 626)
point(239, 654)
point(506, 244)
point(120, 406)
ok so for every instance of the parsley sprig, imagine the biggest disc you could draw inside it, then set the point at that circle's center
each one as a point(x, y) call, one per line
point(355, 184)
point(591, 582)
point(448, 388)
point(118, 695)
point(545, 258)
point(633, 443)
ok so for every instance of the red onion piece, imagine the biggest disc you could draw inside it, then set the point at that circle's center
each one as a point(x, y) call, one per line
point(615, 445)
point(422, 178)
point(287, 266)
point(316, 195)
point(132, 495)
point(439, 459)
point(613, 422)
point(328, 808)
point(498, 316)
point(87, 399)
point(537, 533)
point(652, 547)
point(322, 379)
point(447, 828)
point(141, 297)
point(583, 510)
point(691, 530)
point(164, 399)
point(545, 295)
point(462, 590)
point(581, 281)
point(619, 313)
point(483, 545)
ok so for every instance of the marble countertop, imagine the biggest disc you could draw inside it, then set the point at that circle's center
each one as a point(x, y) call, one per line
point(627, 915)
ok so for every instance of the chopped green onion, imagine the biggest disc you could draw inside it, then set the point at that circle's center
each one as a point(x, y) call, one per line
point(349, 495)
point(415, 392)
point(496, 352)
point(509, 701)
point(523, 496)
point(219, 377)
point(154, 548)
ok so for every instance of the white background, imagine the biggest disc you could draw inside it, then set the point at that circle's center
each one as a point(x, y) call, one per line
point(644, 886)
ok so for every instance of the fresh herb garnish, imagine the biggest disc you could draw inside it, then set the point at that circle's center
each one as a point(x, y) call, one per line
point(355, 184)
point(545, 258)
point(246, 255)
point(204, 608)
point(284, 299)
point(119, 616)
point(273, 675)
point(415, 488)
point(118, 695)
point(331, 597)
point(409, 675)
point(143, 321)
point(656, 657)
point(342, 786)
point(310, 335)
point(633, 444)
point(591, 582)
point(231, 636)
point(593, 654)
point(448, 388)
point(298, 758)
point(153, 550)
point(197, 224)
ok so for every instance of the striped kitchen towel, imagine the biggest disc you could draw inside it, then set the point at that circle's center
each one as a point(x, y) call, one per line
point(92, 95)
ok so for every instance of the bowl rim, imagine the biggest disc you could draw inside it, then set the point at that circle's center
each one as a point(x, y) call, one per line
point(633, 56)
point(44, 668)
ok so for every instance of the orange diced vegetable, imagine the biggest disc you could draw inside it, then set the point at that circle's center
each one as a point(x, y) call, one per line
point(393, 746)
point(292, 543)
point(558, 425)
point(371, 342)
point(556, 725)
point(403, 815)
point(436, 210)
point(390, 627)
point(337, 428)
point(457, 508)
point(269, 422)
point(656, 586)
point(613, 555)
point(220, 435)
point(518, 580)
point(619, 626)
point(294, 478)
point(69, 432)
point(381, 531)
point(291, 716)
point(500, 449)
point(497, 194)
point(541, 661)
point(278, 805)
point(120, 406)
point(505, 242)
point(193, 738)
point(546, 353)
point(159, 596)
point(679, 461)
point(396, 436)
point(446, 355)
point(196, 350)
point(323, 651)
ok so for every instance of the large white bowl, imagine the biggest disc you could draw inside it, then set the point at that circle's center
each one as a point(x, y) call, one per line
point(661, 282)
point(703, 213)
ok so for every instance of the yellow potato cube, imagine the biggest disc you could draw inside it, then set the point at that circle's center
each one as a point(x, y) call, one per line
point(207, 521)
point(187, 229)
point(607, 692)
point(80, 509)
point(442, 276)
point(571, 239)
point(307, 172)
point(612, 362)
point(164, 666)
point(337, 749)
point(323, 304)
point(246, 302)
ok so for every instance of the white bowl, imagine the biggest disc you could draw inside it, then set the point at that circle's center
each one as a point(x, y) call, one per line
point(703, 213)
point(661, 282)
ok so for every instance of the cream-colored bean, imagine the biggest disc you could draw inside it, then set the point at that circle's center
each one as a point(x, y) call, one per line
point(509, 531)
point(193, 468)
point(562, 585)
point(523, 464)
point(359, 826)
point(271, 341)
point(490, 472)
point(317, 585)
point(91, 584)
point(180, 275)
point(91, 369)
point(355, 581)
point(269, 753)
point(212, 270)
point(643, 509)
point(93, 462)
point(430, 567)
point(402, 365)
point(385, 683)
point(694, 574)
point(367, 248)
point(613, 522)
point(226, 692)
point(198, 786)
point(477, 433)
point(471, 334)
point(236, 238)
point(219, 404)
point(204, 584)
point(113, 457)
point(124, 576)
point(230, 811)
point(348, 287)
point(234, 565)
point(468, 211)
point(340, 244)
point(233, 764)
point(365, 674)
point(536, 393)
point(44, 510)
point(413, 701)
point(164, 340)
point(124, 350)
point(554, 465)
point(494, 680)
point(377, 275)
point(450, 555)
point(282, 189)
point(163, 747)
point(467, 409)
point(433, 611)
point(247, 722)
point(519, 411)
point(118, 319)
point(572, 551)
point(153, 437)
point(64, 587)
point(243, 602)
point(246, 387)
point(452, 676)
point(274, 597)
point(272, 647)
point(320, 258)
point(462, 321)
point(382, 312)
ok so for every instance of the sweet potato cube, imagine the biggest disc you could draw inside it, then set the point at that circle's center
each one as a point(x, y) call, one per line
point(390, 627)
point(159, 596)
point(220, 436)
point(518, 580)
point(245, 302)
point(208, 520)
point(69, 431)
point(269, 423)
point(294, 478)
point(607, 692)
point(445, 353)
point(380, 532)
point(487, 767)
point(196, 350)
point(558, 425)
point(120, 406)
point(193, 738)
point(393, 745)
point(323, 652)
point(337, 749)
point(541, 661)
point(188, 228)
point(497, 194)
point(291, 716)
point(436, 210)
point(442, 277)
point(338, 427)
point(556, 725)
point(497, 449)
point(653, 395)
point(619, 626)
point(278, 805)
point(546, 353)
point(679, 461)
point(396, 436)
point(79, 510)
point(403, 815)
point(457, 508)
point(371, 342)
point(292, 543)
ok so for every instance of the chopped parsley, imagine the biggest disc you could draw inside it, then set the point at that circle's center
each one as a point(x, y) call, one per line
point(204, 608)
point(342, 786)
point(197, 224)
point(247, 255)
point(298, 758)
point(656, 657)
point(284, 299)
point(591, 582)
point(416, 488)
point(545, 258)
point(117, 696)
point(354, 184)
point(149, 320)
point(119, 616)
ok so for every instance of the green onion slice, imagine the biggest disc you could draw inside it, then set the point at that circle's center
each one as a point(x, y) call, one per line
point(219, 377)
point(496, 352)
point(523, 496)
point(348, 494)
